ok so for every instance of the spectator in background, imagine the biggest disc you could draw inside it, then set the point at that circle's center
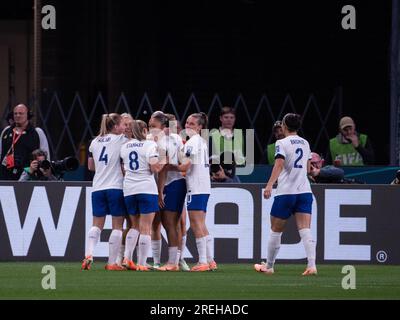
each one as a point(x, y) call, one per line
point(227, 138)
point(324, 174)
point(277, 131)
point(225, 169)
point(39, 169)
point(350, 148)
point(17, 143)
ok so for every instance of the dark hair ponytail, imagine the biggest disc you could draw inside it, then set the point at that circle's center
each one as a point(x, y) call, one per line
point(161, 117)
point(201, 118)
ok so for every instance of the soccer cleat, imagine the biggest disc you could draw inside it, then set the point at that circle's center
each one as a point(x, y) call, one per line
point(213, 265)
point(310, 271)
point(87, 263)
point(169, 267)
point(142, 268)
point(156, 266)
point(153, 267)
point(263, 268)
point(200, 267)
point(114, 267)
point(128, 264)
point(183, 265)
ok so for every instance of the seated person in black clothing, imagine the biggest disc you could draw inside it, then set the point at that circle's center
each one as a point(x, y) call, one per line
point(39, 168)
point(324, 174)
point(224, 168)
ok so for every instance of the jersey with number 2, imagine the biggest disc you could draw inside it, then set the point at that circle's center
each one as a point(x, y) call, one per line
point(293, 178)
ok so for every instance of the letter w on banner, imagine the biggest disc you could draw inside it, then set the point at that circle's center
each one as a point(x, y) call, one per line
point(39, 209)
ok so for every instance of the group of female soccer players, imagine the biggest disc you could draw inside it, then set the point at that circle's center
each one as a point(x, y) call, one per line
point(144, 174)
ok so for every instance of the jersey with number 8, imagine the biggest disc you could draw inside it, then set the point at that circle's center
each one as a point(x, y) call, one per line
point(293, 178)
point(105, 152)
point(136, 156)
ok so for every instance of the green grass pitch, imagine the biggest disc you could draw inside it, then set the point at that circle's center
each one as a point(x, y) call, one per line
point(231, 281)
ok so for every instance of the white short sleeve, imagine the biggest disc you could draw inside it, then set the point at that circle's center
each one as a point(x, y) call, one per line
point(279, 149)
point(152, 151)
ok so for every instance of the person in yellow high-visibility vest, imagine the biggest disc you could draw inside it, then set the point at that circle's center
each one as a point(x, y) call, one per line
point(227, 138)
point(350, 148)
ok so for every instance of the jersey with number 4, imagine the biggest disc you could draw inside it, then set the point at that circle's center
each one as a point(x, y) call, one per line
point(105, 152)
point(136, 156)
point(293, 178)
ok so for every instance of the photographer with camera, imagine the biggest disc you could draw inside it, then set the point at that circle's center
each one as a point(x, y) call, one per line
point(39, 169)
point(224, 169)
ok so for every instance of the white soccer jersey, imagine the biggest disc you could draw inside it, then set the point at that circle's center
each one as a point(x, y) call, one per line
point(293, 178)
point(198, 175)
point(172, 144)
point(105, 152)
point(136, 157)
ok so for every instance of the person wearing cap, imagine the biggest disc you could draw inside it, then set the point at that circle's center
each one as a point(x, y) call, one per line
point(350, 148)
point(277, 132)
point(324, 174)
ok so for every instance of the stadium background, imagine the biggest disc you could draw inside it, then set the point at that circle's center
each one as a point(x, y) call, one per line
point(264, 58)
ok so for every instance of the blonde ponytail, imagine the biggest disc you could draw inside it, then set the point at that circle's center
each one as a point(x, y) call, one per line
point(139, 130)
point(108, 121)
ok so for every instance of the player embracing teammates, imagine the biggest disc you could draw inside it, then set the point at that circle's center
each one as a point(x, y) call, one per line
point(107, 195)
point(141, 161)
point(293, 194)
point(171, 187)
point(196, 165)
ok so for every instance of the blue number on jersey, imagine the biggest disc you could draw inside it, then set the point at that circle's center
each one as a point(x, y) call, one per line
point(133, 159)
point(103, 156)
point(299, 151)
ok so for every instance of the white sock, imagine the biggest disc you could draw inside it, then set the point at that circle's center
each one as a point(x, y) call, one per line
point(183, 246)
point(210, 248)
point(130, 243)
point(120, 256)
point(156, 249)
point(178, 257)
point(274, 243)
point(309, 246)
point(114, 245)
point(172, 255)
point(93, 239)
point(144, 248)
point(201, 244)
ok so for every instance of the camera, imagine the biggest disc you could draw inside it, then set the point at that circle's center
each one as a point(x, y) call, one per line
point(214, 168)
point(44, 164)
point(59, 167)
point(68, 164)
